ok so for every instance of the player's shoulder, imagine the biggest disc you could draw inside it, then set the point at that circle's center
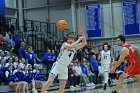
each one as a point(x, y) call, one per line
point(124, 49)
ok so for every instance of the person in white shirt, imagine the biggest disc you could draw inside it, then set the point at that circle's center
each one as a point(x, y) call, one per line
point(60, 67)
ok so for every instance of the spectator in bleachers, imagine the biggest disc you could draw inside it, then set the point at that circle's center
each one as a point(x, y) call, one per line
point(47, 59)
point(79, 55)
point(2, 42)
point(57, 45)
point(9, 62)
point(94, 66)
point(16, 37)
point(2, 54)
point(33, 76)
point(77, 73)
point(21, 51)
point(87, 74)
point(2, 71)
point(16, 62)
point(10, 42)
point(30, 56)
point(53, 55)
point(85, 53)
point(10, 80)
point(22, 63)
point(71, 76)
point(19, 74)
point(7, 55)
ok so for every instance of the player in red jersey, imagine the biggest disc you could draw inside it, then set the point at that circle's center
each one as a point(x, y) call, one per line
point(132, 54)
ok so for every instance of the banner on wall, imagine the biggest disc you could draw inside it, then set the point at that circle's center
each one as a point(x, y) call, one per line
point(2, 8)
point(131, 17)
point(93, 20)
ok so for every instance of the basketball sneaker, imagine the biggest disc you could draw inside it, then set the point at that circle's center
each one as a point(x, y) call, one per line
point(105, 85)
point(114, 91)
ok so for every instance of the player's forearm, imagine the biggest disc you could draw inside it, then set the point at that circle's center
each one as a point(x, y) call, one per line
point(117, 64)
point(84, 41)
point(76, 43)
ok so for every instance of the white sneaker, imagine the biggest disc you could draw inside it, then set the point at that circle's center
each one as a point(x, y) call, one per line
point(88, 85)
point(71, 87)
point(77, 86)
point(92, 84)
point(34, 91)
point(46, 92)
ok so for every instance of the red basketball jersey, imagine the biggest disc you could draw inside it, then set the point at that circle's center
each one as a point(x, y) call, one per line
point(132, 60)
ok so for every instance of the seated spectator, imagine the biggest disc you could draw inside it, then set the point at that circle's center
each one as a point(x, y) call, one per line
point(15, 62)
point(94, 66)
point(77, 74)
point(7, 55)
point(9, 62)
point(33, 77)
point(2, 54)
point(10, 80)
point(53, 55)
point(10, 42)
point(30, 56)
point(19, 75)
point(2, 72)
point(22, 63)
point(48, 60)
point(2, 42)
point(71, 76)
point(88, 75)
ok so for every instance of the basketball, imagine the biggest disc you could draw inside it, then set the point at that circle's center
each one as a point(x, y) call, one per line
point(62, 24)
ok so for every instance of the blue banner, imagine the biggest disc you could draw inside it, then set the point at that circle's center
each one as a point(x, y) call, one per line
point(93, 20)
point(2, 7)
point(131, 17)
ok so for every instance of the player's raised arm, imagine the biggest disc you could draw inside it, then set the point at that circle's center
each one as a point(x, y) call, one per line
point(84, 40)
point(74, 44)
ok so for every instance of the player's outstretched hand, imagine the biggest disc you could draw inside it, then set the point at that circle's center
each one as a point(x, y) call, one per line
point(81, 29)
point(82, 37)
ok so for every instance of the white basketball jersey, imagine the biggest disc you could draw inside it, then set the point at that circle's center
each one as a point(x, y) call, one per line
point(66, 55)
point(105, 57)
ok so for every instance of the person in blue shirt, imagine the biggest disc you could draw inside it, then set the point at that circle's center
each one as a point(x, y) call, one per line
point(48, 59)
point(86, 70)
point(21, 51)
point(53, 55)
point(94, 65)
point(16, 37)
point(30, 56)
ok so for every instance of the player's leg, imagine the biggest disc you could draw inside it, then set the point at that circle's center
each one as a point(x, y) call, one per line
point(106, 77)
point(137, 77)
point(120, 82)
point(62, 86)
point(48, 83)
point(62, 76)
point(52, 75)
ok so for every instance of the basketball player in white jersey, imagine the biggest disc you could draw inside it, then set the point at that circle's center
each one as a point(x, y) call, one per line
point(105, 58)
point(60, 67)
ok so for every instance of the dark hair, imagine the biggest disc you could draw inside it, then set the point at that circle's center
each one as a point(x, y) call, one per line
point(122, 38)
point(107, 46)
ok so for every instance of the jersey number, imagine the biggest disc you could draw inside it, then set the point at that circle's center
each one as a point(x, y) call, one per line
point(105, 57)
point(69, 55)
